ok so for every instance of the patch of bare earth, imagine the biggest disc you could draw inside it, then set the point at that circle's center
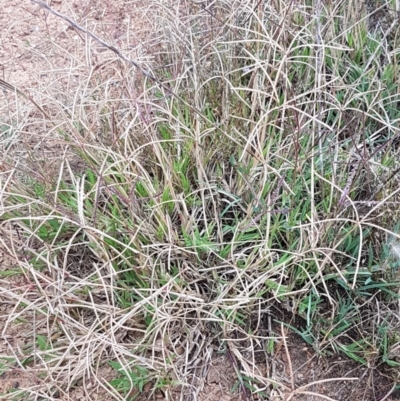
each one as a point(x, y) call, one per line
point(34, 42)
point(313, 378)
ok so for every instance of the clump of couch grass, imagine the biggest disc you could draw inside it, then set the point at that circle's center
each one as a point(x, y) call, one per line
point(162, 212)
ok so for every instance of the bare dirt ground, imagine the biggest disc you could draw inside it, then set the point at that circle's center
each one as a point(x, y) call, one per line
point(27, 52)
point(28, 31)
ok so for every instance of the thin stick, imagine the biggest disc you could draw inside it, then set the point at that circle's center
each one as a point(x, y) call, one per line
point(288, 358)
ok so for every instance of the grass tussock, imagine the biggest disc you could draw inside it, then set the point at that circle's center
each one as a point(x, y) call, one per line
point(158, 213)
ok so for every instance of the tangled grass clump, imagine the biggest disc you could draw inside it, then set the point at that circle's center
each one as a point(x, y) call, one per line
point(253, 165)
